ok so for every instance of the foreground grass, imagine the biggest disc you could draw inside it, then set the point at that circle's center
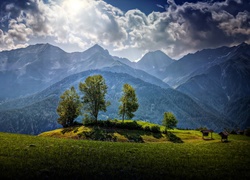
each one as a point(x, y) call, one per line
point(28, 157)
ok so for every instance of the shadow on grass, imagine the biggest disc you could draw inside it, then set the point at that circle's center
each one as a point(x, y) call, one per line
point(173, 138)
point(136, 135)
point(208, 139)
point(71, 128)
point(157, 135)
point(100, 134)
point(223, 141)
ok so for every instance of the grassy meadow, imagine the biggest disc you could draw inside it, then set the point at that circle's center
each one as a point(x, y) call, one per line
point(43, 157)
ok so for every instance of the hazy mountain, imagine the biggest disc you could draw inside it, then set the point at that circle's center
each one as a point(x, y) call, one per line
point(32, 69)
point(27, 70)
point(154, 63)
point(222, 81)
point(125, 61)
point(183, 69)
point(37, 113)
point(229, 78)
point(239, 112)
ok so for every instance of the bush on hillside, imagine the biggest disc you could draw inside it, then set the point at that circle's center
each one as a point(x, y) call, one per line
point(147, 128)
point(129, 125)
point(100, 135)
point(247, 132)
point(134, 138)
point(173, 138)
point(155, 129)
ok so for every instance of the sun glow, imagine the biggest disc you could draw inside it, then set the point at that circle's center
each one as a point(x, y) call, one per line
point(74, 6)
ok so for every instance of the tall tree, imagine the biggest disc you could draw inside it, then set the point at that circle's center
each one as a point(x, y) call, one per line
point(94, 90)
point(169, 120)
point(69, 107)
point(129, 102)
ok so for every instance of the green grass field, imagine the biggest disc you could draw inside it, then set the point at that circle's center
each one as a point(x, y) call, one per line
point(28, 157)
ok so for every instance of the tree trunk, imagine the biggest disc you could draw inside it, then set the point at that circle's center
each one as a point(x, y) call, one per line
point(123, 112)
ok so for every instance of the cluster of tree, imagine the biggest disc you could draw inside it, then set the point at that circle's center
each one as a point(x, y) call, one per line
point(93, 101)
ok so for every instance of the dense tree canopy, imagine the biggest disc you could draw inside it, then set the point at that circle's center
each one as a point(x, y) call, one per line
point(69, 107)
point(169, 120)
point(94, 90)
point(129, 102)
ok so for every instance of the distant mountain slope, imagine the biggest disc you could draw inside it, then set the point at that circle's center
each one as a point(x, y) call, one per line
point(31, 119)
point(239, 112)
point(29, 70)
point(37, 113)
point(220, 83)
point(154, 63)
point(194, 64)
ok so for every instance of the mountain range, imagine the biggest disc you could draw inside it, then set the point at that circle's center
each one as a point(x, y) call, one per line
point(208, 88)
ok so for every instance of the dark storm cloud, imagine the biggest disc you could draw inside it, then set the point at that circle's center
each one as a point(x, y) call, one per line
point(235, 6)
point(210, 24)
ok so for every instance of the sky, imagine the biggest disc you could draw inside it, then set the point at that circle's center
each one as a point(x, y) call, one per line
point(127, 28)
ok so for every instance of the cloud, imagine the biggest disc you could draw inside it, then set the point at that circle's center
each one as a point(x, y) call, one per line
point(180, 29)
point(160, 6)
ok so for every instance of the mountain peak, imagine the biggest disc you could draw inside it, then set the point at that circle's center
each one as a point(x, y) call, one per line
point(97, 48)
point(156, 57)
point(42, 47)
point(243, 44)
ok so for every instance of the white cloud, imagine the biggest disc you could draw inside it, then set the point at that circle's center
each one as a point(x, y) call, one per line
point(177, 31)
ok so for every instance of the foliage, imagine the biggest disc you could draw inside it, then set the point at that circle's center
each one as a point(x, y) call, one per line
point(129, 102)
point(87, 120)
point(155, 129)
point(129, 125)
point(69, 107)
point(247, 132)
point(134, 138)
point(146, 128)
point(94, 90)
point(99, 134)
point(173, 138)
point(201, 128)
point(169, 120)
point(133, 125)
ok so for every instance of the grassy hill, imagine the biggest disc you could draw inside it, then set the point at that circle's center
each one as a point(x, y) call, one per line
point(28, 157)
point(133, 132)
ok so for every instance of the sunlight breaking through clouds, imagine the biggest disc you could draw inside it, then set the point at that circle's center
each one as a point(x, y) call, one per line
point(82, 23)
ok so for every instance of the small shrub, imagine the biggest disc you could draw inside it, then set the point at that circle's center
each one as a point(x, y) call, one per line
point(147, 128)
point(165, 132)
point(173, 138)
point(247, 132)
point(233, 132)
point(99, 134)
point(155, 129)
point(134, 138)
point(129, 125)
point(201, 128)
